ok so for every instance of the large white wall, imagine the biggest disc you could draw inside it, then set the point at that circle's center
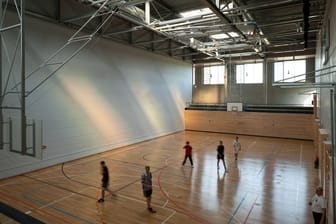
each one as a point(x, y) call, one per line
point(109, 95)
point(325, 60)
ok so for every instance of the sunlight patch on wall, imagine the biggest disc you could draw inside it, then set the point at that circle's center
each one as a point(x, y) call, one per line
point(149, 108)
point(94, 105)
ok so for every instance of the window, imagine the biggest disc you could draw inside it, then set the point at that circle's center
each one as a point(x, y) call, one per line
point(249, 73)
point(290, 71)
point(213, 75)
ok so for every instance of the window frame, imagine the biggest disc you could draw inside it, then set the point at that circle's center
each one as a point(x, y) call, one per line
point(217, 74)
point(249, 83)
point(295, 76)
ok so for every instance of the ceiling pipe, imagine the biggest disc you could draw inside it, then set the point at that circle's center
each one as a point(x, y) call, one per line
point(306, 11)
point(179, 20)
point(188, 22)
point(138, 22)
point(131, 18)
point(262, 5)
point(212, 6)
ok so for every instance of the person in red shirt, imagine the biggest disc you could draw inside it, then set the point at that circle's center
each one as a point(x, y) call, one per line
point(188, 153)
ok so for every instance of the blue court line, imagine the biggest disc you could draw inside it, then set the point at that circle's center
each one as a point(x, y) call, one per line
point(237, 208)
point(262, 168)
point(17, 215)
point(267, 161)
point(28, 197)
point(243, 199)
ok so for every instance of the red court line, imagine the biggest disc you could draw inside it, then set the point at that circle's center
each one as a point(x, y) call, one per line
point(99, 211)
point(267, 166)
point(183, 210)
point(34, 207)
point(254, 203)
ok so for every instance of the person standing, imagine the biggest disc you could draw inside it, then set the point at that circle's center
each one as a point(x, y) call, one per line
point(146, 180)
point(220, 155)
point(236, 147)
point(105, 181)
point(318, 205)
point(188, 154)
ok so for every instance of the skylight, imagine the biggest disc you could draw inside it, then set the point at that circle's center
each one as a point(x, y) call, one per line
point(225, 7)
point(233, 34)
point(196, 12)
point(219, 36)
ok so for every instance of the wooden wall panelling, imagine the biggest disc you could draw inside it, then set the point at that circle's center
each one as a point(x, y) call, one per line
point(283, 125)
point(323, 134)
point(315, 104)
point(316, 134)
point(327, 167)
point(327, 170)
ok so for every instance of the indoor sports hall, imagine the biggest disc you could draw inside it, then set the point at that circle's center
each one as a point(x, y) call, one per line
point(167, 111)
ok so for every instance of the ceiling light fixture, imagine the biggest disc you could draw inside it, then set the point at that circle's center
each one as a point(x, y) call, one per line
point(219, 36)
point(257, 50)
point(266, 41)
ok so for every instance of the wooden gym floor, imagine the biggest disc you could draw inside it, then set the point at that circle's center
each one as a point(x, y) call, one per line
point(271, 182)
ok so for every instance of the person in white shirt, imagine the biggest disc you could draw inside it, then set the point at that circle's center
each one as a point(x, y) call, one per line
point(236, 147)
point(318, 205)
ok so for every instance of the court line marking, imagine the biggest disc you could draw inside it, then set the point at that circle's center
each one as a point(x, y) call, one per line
point(143, 202)
point(165, 204)
point(67, 190)
point(63, 198)
point(168, 199)
point(167, 163)
point(301, 155)
point(182, 210)
point(237, 208)
point(250, 211)
point(185, 211)
point(138, 179)
point(51, 205)
point(268, 160)
point(28, 181)
point(169, 217)
point(100, 214)
point(62, 188)
point(102, 156)
point(298, 184)
point(33, 207)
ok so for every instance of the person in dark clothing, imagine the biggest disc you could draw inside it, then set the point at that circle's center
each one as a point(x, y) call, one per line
point(105, 181)
point(146, 180)
point(220, 155)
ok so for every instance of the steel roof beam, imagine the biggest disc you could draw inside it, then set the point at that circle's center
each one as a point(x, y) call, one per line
point(223, 18)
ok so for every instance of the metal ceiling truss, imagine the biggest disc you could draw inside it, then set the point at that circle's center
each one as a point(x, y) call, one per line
point(253, 28)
